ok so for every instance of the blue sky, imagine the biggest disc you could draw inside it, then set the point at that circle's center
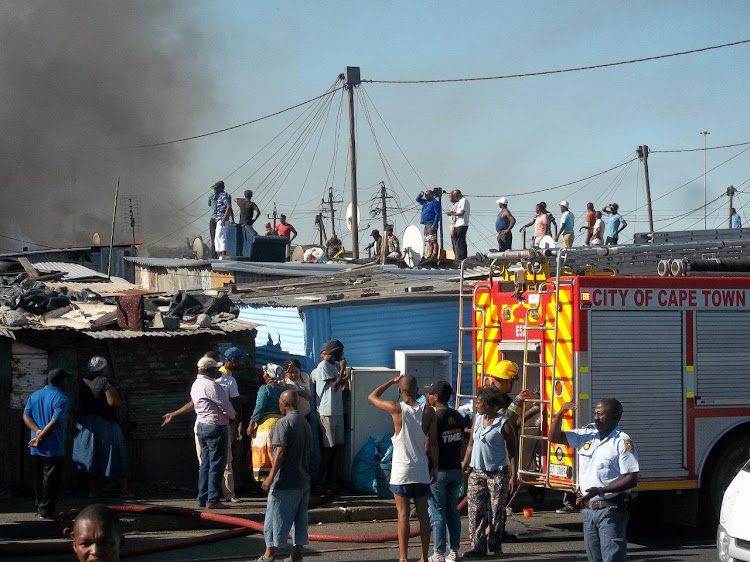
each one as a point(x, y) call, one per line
point(487, 138)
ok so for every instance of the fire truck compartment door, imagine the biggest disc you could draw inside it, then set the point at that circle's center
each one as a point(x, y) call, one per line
point(723, 357)
point(636, 357)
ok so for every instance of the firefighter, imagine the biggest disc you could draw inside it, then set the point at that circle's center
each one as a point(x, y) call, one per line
point(607, 471)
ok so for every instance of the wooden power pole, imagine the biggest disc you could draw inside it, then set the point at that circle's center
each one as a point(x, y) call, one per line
point(383, 200)
point(642, 152)
point(275, 216)
point(351, 75)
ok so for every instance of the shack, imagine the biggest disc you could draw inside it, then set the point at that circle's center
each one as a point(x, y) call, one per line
point(374, 311)
point(170, 275)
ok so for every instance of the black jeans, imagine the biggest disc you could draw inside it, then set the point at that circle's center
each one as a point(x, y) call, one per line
point(459, 242)
point(46, 483)
point(212, 234)
point(504, 241)
point(611, 241)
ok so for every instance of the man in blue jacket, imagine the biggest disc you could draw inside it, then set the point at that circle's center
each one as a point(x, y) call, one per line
point(430, 219)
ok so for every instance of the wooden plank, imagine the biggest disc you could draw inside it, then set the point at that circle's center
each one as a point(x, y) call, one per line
point(26, 264)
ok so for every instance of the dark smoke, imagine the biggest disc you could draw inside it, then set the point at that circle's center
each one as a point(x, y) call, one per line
point(76, 79)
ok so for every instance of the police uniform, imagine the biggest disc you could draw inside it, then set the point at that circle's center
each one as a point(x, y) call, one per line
point(602, 461)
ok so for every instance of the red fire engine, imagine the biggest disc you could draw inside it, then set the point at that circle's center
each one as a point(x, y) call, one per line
point(675, 351)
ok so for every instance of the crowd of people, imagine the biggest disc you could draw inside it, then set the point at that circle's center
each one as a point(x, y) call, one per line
point(222, 220)
point(431, 464)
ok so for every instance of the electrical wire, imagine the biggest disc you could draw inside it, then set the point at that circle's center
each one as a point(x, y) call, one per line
point(232, 127)
point(564, 70)
point(698, 149)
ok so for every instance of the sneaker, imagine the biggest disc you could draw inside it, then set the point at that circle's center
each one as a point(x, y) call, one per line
point(567, 509)
point(451, 556)
point(436, 557)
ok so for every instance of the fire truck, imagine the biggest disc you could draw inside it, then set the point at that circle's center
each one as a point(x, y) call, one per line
point(674, 350)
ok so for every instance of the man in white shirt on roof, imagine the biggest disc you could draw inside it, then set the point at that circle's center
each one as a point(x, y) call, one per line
point(459, 214)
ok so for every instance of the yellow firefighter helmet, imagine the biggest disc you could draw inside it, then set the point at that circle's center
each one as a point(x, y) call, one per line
point(506, 370)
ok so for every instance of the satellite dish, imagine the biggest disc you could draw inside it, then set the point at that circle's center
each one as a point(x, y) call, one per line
point(412, 245)
point(546, 242)
point(198, 248)
point(349, 217)
point(96, 240)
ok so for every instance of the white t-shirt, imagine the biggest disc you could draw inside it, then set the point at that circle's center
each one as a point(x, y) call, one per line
point(596, 233)
point(459, 206)
point(229, 383)
point(330, 402)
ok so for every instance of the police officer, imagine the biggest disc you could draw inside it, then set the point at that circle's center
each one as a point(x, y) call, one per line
point(607, 471)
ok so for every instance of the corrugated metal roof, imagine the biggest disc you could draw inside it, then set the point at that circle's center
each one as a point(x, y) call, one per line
point(72, 271)
point(289, 269)
point(168, 262)
point(231, 326)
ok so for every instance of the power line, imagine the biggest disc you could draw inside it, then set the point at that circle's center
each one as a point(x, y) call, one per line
point(561, 71)
point(698, 149)
point(28, 242)
point(225, 129)
point(557, 186)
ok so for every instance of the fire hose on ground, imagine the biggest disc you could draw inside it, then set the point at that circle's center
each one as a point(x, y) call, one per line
point(242, 527)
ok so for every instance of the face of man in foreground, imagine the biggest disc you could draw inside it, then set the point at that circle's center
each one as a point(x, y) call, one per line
point(95, 541)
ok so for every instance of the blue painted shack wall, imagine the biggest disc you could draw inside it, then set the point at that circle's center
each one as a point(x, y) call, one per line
point(371, 332)
point(280, 332)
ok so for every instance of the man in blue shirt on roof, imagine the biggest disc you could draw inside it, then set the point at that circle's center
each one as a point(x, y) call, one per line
point(430, 219)
point(615, 225)
point(44, 415)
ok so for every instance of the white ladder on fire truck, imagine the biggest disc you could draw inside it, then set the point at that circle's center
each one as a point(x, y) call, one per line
point(535, 321)
point(467, 329)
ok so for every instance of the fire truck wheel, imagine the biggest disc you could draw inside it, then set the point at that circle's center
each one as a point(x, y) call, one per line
point(724, 467)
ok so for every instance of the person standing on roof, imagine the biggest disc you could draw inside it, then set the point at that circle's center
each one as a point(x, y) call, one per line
point(224, 216)
point(249, 211)
point(415, 433)
point(540, 222)
point(430, 219)
point(44, 415)
point(287, 231)
point(736, 219)
point(550, 221)
point(567, 224)
point(504, 223)
point(615, 225)
point(590, 221)
point(394, 247)
point(459, 213)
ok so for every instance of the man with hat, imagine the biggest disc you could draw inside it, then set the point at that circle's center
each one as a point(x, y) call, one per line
point(504, 223)
point(446, 489)
point(222, 213)
point(430, 218)
point(567, 229)
point(377, 241)
point(232, 362)
point(615, 225)
point(44, 415)
point(330, 376)
point(214, 412)
point(459, 215)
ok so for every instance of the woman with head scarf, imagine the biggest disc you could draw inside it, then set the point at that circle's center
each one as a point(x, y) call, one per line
point(99, 447)
point(264, 418)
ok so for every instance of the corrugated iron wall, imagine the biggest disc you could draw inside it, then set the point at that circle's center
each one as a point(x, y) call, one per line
point(280, 332)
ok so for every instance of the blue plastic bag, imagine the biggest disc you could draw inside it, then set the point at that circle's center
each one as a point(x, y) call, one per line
point(383, 471)
point(364, 468)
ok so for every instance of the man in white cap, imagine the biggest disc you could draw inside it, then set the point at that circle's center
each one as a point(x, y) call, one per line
point(504, 224)
point(214, 412)
point(567, 221)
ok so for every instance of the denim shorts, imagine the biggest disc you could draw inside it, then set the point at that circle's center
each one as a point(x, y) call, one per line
point(412, 491)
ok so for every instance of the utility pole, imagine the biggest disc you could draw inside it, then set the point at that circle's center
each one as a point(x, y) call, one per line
point(351, 76)
point(438, 191)
point(731, 191)
point(275, 216)
point(383, 198)
point(112, 235)
point(321, 227)
point(332, 209)
point(132, 217)
point(642, 152)
point(705, 196)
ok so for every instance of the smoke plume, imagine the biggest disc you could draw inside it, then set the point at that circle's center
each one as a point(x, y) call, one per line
point(78, 78)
